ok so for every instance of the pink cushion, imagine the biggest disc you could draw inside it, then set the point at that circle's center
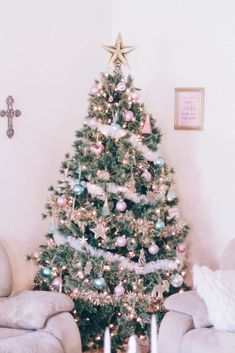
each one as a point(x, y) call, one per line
point(191, 304)
point(5, 273)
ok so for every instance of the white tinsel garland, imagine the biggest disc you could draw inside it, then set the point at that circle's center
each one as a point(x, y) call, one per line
point(152, 266)
point(109, 130)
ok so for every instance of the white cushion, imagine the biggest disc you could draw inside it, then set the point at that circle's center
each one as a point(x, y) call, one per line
point(217, 289)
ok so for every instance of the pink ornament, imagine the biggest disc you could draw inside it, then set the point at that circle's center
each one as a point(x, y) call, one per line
point(181, 248)
point(121, 86)
point(62, 201)
point(129, 115)
point(94, 90)
point(119, 290)
point(121, 206)
point(97, 148)
point(153, 249)
point(146, 129)
point(57, 282)
point(121, 241)
point(147, 175)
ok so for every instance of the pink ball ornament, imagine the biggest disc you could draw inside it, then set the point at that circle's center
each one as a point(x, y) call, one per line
point(129, 115)
point(181, 248)
point(94, 90)
point(121, 86)
point(153, 249)
point(121, 206)
point(121, 241)
point(62, 201)
point(146, 175)
point(119, 290)
point(57, 282)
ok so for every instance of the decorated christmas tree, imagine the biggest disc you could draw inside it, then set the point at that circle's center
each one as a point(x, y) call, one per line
point(115, 242)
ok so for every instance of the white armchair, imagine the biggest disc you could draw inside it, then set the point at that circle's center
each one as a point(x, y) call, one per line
point(186, 328)
point(35, 322)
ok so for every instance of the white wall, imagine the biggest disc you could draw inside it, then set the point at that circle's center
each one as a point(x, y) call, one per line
point(188, 43)
point(50, 53)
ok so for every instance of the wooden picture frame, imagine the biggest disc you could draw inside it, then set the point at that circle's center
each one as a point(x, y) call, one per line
point(189, 108)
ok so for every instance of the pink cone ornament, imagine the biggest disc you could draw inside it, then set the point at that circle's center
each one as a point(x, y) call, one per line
point(57, 283)
point(62, 201)
point(181, 248)
point(94, 90)
point(146, 129)
point(121, 206)
point(147, 175)
point(129, 115)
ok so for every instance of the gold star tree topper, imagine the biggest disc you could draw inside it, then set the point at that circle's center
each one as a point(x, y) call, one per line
point(118, 52)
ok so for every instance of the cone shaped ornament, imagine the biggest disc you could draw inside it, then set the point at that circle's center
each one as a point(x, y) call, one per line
point(105, 209)
point(147, 129)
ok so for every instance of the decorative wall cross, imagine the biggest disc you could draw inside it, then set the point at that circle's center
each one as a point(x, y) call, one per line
point(10, 113)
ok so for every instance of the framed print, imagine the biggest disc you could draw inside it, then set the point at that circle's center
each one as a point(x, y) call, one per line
point(189, 108)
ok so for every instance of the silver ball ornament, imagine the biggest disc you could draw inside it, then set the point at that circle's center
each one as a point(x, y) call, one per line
point(121, 86)
point(62, 201)
point(115, 127)
point(46, 271)
point(99, 283)
point(176, 280)
point(159, 162)
point(121, 241)
point(78, 189)
point(160, 225)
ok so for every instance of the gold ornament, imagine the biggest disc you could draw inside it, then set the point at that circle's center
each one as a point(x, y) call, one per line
point(118, 52)
point(100, 231)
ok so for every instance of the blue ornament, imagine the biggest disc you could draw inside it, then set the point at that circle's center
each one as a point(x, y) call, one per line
point(115, 126)
point(52, 228)
point(78, 189)
point(160, 225)
point(159, 162)
point(99, 283)
point(46, 271)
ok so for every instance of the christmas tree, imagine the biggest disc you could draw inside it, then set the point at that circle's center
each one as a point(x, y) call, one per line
point(115, 242)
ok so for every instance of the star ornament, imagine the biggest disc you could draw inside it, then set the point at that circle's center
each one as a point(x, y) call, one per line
point(100, 231)
point(118, 52)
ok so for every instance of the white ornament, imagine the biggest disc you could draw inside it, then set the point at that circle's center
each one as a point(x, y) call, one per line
point(176, 280)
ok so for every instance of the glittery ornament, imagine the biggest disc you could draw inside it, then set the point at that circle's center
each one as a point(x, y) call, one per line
point(153, 249)
point(119, 290)
point(142, 260)
point(105, 210)
point(121, 86)
point(181, 248)
point(97, 148)
point(99, 283)
point(121, 241)
point(128, 115)
point(94, 90)
point(160, 225)
point(78, 189)
point(170, 195)
point(147, 175)
point(121, 206)
point(159, 162)
point(62, 201)
point(46, 271)
point(103, 175)
point(88, 268)
point(176, 280)
point(147, 129)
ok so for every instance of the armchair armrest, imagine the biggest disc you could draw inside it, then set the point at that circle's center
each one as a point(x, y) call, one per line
point(191, 304)
point(30, 310)
point(64, 328)
point(172, 329)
